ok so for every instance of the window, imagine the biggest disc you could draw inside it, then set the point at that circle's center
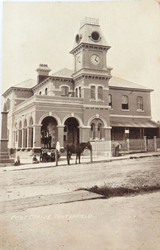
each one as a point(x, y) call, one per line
point(76, 92)
point(46, 91)
point(93, 131)
point(110, 100)
point(124, 102)
point(65, 90)
point(80, 94)
point(140, 103)
point(40, 93)
point(100, 93)
point(93, 96)
point(95, 35)
point(99, 131)
point(96, 132)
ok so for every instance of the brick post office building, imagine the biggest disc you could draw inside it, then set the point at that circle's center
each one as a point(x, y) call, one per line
point(86, 104)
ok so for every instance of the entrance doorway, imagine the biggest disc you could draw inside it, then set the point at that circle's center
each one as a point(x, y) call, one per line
point(71, 131)
point(49, 133)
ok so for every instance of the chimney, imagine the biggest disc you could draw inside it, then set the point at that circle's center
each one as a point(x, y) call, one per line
point(43, 72)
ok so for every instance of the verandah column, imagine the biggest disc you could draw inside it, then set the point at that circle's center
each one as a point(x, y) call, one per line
point(19, 138)
point(24, 132)
point(37, 137)
point(60, 130)
point(29, 137)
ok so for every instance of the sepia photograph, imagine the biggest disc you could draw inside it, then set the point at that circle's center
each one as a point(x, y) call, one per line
point(80, 125)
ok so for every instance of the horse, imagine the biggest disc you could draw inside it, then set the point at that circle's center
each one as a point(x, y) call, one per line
point(77, 149)
point(46, 141)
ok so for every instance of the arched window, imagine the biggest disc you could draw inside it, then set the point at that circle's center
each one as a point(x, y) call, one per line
point(96, 132)
point(99, 130)
point(76, 92)
point(40, 92)
point(65, 90)
point(110, 100)
point(140, 103)
point(124, 102)
point(93, 93)
point(80, 94)
point(46, 91)
point(100, 93)
point(93, 131)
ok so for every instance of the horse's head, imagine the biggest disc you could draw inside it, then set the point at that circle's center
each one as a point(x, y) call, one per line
point(89, 146)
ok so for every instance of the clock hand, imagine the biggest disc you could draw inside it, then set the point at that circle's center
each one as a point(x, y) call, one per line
point(96, 58)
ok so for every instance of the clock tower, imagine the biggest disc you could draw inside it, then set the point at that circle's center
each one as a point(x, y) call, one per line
point(91, 76)
point(90, 48)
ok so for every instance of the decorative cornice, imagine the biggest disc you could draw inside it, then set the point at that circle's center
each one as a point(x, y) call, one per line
point(91, 76)
point(90, 46)
point(96, 106)
point(16, 89)
point(52, 78)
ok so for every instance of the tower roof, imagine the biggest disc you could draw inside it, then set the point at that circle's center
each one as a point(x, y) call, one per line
point(90, 33)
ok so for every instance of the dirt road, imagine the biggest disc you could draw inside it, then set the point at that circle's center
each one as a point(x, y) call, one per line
point(123, 223)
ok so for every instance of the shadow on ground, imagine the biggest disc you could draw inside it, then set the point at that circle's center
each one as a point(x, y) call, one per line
point(109, 192)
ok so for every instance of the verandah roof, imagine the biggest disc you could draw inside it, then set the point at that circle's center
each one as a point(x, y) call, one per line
point(134, 124)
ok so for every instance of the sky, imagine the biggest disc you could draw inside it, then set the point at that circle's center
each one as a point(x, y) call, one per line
point(44, 32)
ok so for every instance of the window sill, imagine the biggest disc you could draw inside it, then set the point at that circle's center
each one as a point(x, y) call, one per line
point(140, 110)
point(126, 110)
point(94, 100)
point(96, 139)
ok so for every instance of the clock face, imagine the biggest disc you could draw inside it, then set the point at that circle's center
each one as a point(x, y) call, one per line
point(79, 59)
point(95, 59)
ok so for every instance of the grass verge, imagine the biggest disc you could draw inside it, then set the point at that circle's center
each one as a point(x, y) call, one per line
point(108, 192)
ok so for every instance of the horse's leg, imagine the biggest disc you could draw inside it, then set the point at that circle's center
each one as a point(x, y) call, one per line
point(68, 158)
point(79, 158)
point(76, 158)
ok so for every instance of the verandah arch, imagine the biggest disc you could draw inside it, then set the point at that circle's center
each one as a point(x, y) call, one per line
point(49, 132)
point(71, 131)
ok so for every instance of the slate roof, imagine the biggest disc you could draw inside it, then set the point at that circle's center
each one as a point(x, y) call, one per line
point(114, 82)
point(65, 72)
point(121, 83)
point(30, 83)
